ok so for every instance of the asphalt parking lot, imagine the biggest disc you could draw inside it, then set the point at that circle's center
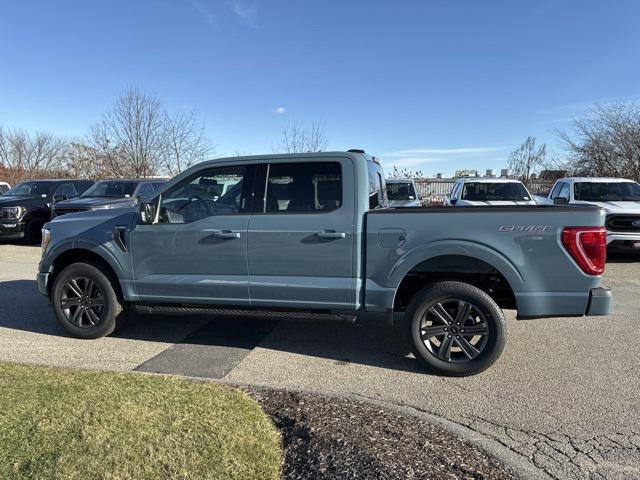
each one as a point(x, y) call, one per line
point(565, 394)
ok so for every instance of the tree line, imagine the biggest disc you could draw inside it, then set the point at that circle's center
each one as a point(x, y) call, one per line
point(603, 142)
point(138, 137)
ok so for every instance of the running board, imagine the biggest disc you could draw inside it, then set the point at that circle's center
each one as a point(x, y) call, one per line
point(236, 312)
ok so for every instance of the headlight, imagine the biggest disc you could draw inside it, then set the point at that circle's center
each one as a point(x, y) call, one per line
point(104, 207)
point(46, 239)
point(11, 213)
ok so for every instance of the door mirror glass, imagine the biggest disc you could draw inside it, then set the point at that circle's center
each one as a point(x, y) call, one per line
point(147, 213)
point(59, 198)
point(560, 201)
point(453, 201)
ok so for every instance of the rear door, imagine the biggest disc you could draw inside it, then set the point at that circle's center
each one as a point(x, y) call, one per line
point(301, 247)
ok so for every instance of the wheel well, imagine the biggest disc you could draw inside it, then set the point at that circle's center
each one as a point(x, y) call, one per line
point(454, 267)
point(81, 255)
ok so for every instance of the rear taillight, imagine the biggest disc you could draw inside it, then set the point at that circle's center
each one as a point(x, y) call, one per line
point(587, 246)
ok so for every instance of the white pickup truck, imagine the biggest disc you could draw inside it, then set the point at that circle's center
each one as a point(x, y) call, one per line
point(476, 192)
point(618, 196)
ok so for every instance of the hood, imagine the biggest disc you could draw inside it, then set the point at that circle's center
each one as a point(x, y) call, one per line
point(27, 202)
point(92, 216)
point(613, 207)
point(498, 203)
point(404, 203)
point(94, 202)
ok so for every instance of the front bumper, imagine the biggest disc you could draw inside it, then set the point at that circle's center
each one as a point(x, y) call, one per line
point(599, 302)
point(615, 239)
point(12, 229)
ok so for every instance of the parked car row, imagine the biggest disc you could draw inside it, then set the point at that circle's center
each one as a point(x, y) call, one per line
point(25, 208)
point(620, 198)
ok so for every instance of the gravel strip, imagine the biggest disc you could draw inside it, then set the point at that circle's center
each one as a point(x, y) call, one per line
point(331, 438)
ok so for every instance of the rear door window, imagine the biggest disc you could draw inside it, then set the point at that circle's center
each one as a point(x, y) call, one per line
point(312, 187)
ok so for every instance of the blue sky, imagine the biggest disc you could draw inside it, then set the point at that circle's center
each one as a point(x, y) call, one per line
point(431, 85)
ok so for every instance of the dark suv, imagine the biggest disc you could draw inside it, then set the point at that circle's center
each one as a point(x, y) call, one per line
point(25, 208)
point(108, 194)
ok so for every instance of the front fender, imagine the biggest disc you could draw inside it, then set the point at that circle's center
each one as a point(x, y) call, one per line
point(81, 243)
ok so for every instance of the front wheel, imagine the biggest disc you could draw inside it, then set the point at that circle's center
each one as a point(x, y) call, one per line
point(85, 301)
point(455, 328)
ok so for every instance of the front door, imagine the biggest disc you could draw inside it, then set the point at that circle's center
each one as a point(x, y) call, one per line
point(196, 249)
point(301, 248)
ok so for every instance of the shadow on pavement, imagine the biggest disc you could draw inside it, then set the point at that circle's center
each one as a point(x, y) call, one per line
point(25, 309)
point(623, 257)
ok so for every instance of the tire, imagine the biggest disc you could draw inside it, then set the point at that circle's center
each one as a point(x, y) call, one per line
point(438, 318)
point(33, 231)
point(101, 310)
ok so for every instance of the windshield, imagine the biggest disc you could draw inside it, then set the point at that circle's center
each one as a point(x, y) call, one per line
point(607, 192)
point(486, 192)
point(31, 189)
point(401, 191)
point(111, 189)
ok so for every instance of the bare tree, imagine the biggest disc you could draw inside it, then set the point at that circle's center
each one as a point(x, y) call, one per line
point(137, 137)
point(130, 135)
point(31, 155)
point(528, 159)
point(605, 141)
point(296, 138)
point(406, 173)
point(184, 142)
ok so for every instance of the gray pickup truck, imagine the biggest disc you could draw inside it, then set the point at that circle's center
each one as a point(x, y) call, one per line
point(311, 236)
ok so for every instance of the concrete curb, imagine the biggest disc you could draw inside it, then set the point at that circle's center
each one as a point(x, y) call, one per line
point(520, 465)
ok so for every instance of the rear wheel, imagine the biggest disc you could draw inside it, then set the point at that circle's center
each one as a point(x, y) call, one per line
point(455, 328)
point(85, 301)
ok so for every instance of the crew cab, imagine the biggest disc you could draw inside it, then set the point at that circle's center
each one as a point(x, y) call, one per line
point(311, 236)
point(402, 192)
point(25, 208)
point(119, 193)
point(619, 197)
point(473, 192)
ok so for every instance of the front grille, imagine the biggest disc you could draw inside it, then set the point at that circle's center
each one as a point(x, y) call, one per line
point(61, 211)
point(623, 223)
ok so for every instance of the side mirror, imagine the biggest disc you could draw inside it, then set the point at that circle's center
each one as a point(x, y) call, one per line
point(60, 198)
point(147, 213)
point(560, 201)
point(453, 201)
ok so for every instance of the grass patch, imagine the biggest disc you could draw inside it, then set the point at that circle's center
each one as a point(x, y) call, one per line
point(68, 424)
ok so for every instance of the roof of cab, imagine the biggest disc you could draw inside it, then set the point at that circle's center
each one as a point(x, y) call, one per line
point(595, 180)
point(285, 156)
point(398, 180)
point(487, 180)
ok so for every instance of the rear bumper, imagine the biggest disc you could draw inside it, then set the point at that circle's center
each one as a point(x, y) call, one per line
point(563, 304)
point(599, 302)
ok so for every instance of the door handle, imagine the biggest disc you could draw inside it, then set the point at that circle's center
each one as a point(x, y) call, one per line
point(224, 233)
point(331, 234)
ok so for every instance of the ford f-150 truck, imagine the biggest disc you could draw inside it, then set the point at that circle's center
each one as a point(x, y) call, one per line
point(619, 197)
point(311, 236)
